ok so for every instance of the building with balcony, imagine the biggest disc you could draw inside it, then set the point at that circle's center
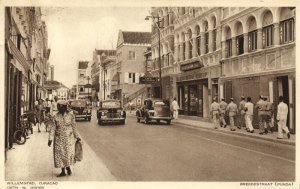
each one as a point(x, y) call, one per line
point(83, 81)
point(258, 55)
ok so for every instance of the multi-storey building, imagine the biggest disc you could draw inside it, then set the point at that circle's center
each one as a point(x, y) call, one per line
point(83, 81)
point(258, 55)
point(129, 64)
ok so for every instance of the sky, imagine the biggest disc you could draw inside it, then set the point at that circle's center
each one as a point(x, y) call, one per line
point(74, 33)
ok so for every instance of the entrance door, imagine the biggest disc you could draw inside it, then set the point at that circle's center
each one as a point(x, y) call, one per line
point(193, 100)
point(283, 90)
point(156, 93)
point(200, 101)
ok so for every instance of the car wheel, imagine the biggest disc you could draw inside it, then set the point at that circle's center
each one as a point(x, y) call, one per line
point(138, 120)
point(123, 122)
point(89, 119)
point(158, 121)
point(169, 122)
point(146, 120)
point(99, 122)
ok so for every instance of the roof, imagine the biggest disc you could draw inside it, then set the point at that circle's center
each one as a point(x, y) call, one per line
point(54, 85)
point(106, 52)
point(83, 64)
point(136, 37)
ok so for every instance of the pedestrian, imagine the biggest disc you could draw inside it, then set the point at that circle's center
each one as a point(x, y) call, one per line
point(232, 111)
point(242, 113)
point(249, 115)
point(54, 109)
point(39, 108)
point(269, 116)
point(215, 112)
point(261, 107)
point(282, 112)
point(175, 108)
point(223, 106)
point(63, 132)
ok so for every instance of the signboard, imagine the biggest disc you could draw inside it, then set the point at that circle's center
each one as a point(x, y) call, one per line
point(148, 80)
point(191, 66)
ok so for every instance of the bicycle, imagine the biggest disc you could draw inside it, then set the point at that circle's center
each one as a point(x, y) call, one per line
point(21, 133)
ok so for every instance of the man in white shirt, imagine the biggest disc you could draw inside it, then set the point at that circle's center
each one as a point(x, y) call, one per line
point(54, 106)
point(175, 108)
point(249, 115)
point(282, 112)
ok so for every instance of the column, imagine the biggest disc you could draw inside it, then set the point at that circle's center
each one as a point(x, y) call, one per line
point(223, 46)
point(194, 52)
point(218, 38)
point(276, 34)
point(246, 43)
point(291, 105)
point(233, 45)
point(259, 39)
point(221, 92)
point(210, 41)
point(187, 49)
point(181, 52)
point(202, 43)
point(176, 53)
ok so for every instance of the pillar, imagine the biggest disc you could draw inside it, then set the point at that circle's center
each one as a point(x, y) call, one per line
point(181, 52)
point(233, 45)
point(194, 52)
point(276, 34)
point(218, 38)
point(187, 49)
point(202, 43)
point(259, 39)
point(246, 43)
point(176, 53)
point(291, 105)
point(221, 92)
point(210, 41)
point(223, 46)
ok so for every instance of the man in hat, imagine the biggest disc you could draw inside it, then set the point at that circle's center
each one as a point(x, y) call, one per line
point(242, 112)
point(223, 106)
point(215, 112)
point(282, 112)
point(261, 108)
point(232, 111)
point(269, 115)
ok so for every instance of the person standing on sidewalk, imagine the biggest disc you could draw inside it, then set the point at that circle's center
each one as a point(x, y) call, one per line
point(242, 112)
point(215, 112)
point(62, 132)
point(54, 106)
point(261, 107)
point(39, 112)
point(175, 108)
point(223, 106)
point(249, 115)
point(232, 111)
point(282, 112)
point(269, 115)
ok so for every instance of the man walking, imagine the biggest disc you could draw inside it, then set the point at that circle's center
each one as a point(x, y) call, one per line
point(282, 112)
point(269, 115)
point(175, 108)
point(249, 115)
point(223, 106)
point(54, 106)
point(215, 112)
point(261, 107)
point(242, 112)
point(232, 111)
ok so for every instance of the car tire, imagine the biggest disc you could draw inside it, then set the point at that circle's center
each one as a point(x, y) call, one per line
point(158, 121)
point(89, 119)
point(138, 120)
point(100, 122)
point(169, 122)
point(123, 122)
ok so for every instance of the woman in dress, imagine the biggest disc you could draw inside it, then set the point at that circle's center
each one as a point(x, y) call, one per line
point(63, 133)
point(39, 113)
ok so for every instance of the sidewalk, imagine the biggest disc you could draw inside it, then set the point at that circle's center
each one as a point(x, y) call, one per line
point(205, 123)
point(34, 161)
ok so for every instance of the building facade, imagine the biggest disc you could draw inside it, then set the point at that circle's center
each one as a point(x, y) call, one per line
point(84, 89)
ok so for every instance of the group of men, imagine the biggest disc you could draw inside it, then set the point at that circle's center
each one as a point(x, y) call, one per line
point(245, 112)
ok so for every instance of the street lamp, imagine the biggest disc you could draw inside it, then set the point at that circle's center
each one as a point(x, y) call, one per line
point(159, 61)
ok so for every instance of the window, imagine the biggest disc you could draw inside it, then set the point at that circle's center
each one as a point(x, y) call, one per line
point(214, 38)
point(287, 31)
point(190, 48)
point(81, 89)
point(268, 36)
point(131, 77)
point(131, 55)
point(206, 42)
point(183, 51)
point(228, 48)
point(240, 44)
point(253, 40)
point(198, 40)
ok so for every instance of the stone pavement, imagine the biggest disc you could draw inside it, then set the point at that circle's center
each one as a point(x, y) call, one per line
point(33, 161)
point(205, 123)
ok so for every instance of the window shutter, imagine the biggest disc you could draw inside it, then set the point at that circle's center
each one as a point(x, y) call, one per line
point(137, 77)
point(126, 77)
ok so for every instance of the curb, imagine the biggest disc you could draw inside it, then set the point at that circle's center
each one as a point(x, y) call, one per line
point(292, 143)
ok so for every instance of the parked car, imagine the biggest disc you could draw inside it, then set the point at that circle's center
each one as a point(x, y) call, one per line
point(154, 110)
point(111, 111)
point(81, 109)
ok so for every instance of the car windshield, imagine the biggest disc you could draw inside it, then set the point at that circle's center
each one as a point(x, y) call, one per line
point(78, 103)
point(111, 104)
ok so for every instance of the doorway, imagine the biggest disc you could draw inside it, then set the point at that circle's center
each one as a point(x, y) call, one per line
point(283, 90)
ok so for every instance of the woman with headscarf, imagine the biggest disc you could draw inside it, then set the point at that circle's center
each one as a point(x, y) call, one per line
point(63, 132)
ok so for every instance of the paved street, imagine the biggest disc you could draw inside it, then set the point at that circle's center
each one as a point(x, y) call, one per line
point(139, 152)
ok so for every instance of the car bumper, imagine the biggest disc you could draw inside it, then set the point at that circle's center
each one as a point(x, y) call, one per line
point(112, 120)
point(82, 115)
point(160, 118)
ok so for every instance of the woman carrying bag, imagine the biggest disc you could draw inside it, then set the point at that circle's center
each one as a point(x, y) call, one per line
point(63, 133)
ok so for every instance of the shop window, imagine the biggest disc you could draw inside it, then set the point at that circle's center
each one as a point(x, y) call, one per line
point(253, 40)
point(240, 44)
point(268, 36)
point(287, 31)
point(228, 48)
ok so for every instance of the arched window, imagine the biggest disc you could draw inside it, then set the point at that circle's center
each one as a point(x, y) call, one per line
point(286, 25)
point(206, 36)
point(183, 46)
point(214, 34)
point(198, 40)
point(228, 42)
point(178, 48)
point(268, 30)
point(239, 38)
point(252, 35)
point(190, 44)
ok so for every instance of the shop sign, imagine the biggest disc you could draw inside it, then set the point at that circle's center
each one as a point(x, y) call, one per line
point(191, 66)
point(148, 80)
point(192, 76)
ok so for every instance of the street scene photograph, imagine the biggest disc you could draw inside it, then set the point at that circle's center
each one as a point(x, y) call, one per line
point(158, 93)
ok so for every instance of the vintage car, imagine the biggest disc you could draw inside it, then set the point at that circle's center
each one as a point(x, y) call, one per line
point(154, 110)
point(81, 109)
point(111, 111)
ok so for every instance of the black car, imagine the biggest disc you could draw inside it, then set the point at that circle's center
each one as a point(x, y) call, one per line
point(81, 109)
point(111, 111)
point(154, 110)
